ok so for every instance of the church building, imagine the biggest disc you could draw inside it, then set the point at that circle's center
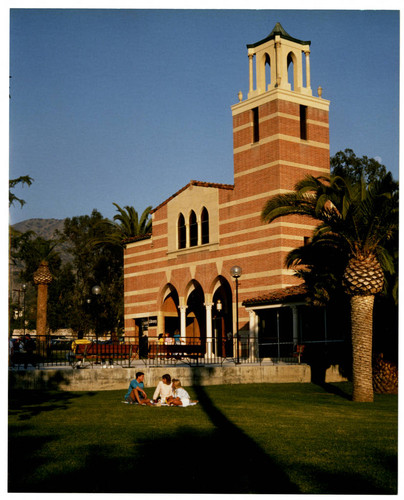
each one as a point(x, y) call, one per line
point(211, 270)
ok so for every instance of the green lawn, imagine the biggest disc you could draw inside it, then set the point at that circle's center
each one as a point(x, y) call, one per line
point(257, 438)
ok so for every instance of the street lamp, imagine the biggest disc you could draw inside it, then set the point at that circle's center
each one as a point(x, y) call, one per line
point(96, 290)
point(24, 289)
point(219, 329)
point(235, 272)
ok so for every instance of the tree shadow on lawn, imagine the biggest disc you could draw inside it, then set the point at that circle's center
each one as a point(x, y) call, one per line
point(324, 481)
point(335, 389)
point(30, 403)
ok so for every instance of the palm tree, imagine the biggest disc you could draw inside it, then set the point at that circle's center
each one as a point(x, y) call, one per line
point(355, 220)
point(126, 225)
point(36, 255)
point(12, 198)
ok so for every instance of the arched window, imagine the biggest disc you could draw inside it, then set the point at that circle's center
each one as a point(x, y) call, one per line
point(182, 232)
point(267, 71)
point(205, 226)
point(291, 70)
point(193, 230)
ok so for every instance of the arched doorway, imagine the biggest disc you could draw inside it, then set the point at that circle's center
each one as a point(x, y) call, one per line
point(196, 315)
point(169, 311)
point(222, 319)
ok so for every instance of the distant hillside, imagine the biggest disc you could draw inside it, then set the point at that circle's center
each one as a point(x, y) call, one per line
point(45, 228)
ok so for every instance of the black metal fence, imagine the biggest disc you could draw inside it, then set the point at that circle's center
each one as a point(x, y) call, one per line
point(93, 353)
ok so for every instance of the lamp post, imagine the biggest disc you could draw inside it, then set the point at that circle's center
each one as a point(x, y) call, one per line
point(24, 289)
point(219, 330)
point(235, 272)
point(96, 291)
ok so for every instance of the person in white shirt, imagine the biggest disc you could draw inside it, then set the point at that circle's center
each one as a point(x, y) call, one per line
point(163, 389)
point(180, 395)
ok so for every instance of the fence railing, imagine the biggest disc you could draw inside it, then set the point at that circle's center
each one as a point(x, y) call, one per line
point(95, 353)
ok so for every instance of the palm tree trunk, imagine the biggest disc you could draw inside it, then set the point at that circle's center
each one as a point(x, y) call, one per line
point(362, 333)
point(41, 319)
point(42, 302)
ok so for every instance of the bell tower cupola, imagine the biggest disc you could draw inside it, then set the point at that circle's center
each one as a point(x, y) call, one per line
point(274, 56)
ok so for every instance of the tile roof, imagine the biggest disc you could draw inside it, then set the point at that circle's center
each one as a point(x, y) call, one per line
point(137, 238)
point(278, 30)
point(289, 294)
point(194, 183)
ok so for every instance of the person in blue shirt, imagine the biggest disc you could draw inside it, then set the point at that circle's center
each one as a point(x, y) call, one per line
point(136, 393)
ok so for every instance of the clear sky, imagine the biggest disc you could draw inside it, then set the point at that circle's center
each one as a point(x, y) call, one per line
point(128, 106)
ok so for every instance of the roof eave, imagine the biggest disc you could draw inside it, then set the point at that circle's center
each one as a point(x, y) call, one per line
point(193, 183)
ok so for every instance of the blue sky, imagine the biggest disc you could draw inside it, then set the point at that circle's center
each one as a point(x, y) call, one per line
point(127, 106)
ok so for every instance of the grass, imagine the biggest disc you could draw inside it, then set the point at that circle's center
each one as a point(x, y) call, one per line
point(256, 438)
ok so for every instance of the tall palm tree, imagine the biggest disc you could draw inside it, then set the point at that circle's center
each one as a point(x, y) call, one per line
point(126, 225)
point(357, 220)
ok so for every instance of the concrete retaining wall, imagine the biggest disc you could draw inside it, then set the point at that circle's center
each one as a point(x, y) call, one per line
point(118, 378)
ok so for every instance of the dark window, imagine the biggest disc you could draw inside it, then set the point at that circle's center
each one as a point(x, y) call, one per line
point(193, 230)
point(205, 226)
point(267, 71)
point(303, 122)
point(182, 233)
point(256, 125)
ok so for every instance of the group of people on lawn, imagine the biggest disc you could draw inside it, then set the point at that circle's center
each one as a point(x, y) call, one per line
point(168, 392)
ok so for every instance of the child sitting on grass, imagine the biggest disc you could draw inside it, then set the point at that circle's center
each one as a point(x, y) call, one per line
point(180, 395)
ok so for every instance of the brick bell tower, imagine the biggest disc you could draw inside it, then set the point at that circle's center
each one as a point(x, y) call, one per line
point(280, 126)
point(280, 134)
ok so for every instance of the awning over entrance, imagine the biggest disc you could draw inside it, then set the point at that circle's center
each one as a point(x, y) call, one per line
point(295, 293)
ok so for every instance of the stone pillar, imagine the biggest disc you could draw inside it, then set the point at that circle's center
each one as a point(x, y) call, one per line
point(199, 222)
point(208, 306)
point(307, 54)
point(160, 323)
point(253, 341)
point(250, 67)
point(183, 322)
point(187, 235)
point(277, 57)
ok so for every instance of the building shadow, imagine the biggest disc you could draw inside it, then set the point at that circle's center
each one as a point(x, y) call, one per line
point(246, 468)
point(188, 461)
point(222, 459)
point(184, 459)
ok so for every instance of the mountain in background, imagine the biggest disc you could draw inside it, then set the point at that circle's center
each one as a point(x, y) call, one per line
point(45, 228)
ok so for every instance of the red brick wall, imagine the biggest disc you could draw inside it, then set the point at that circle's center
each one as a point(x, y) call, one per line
point(258, 248)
